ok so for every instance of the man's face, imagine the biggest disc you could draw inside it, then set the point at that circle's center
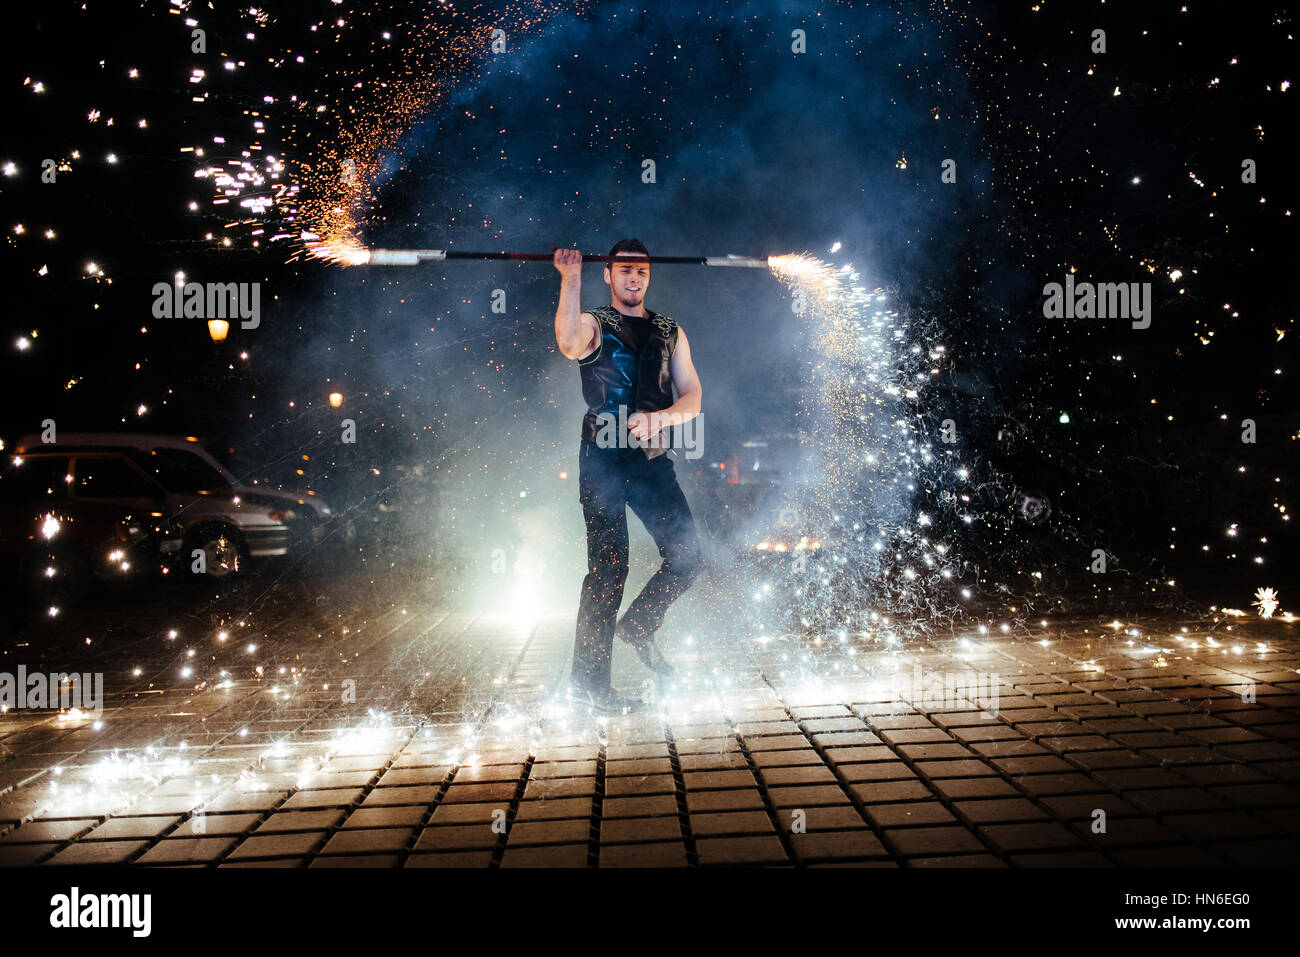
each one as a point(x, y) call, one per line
point(628, 281)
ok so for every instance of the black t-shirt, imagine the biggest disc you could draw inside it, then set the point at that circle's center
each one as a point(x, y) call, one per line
point(635, 330)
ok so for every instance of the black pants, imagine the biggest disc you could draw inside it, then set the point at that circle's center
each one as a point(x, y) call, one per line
point(611, 480)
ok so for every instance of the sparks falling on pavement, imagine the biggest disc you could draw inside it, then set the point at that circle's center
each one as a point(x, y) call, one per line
point(880, 573)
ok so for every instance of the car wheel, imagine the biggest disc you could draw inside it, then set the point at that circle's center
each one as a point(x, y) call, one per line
point(225, 554)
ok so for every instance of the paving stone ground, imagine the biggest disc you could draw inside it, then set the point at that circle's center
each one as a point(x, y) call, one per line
point(1074, 744)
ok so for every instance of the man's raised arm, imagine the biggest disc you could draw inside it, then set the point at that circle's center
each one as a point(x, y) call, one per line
point(575, 332)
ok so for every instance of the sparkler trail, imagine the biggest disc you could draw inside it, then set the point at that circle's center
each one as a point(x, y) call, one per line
point(340, 140)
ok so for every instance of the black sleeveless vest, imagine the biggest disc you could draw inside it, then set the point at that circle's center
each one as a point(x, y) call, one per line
point(616, 375)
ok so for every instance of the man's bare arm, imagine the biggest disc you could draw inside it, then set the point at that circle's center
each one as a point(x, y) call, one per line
point(690, 394)
point(576, 332)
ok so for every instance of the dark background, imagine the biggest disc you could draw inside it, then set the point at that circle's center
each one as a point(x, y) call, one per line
point(759, 151)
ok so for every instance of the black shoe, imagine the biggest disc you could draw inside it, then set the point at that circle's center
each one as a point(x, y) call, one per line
point(650, 656)
point(606, 701)
point(654, 659)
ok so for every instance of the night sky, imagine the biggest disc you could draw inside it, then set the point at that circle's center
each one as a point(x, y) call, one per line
point(1072, 434)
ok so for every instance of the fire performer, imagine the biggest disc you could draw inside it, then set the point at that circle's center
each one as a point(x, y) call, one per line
point(630, 359)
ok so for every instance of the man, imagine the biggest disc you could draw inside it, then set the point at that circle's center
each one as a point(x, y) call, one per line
point(630, 360)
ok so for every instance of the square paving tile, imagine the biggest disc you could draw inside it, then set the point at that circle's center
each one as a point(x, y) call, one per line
point(628, 830)
point(803, 774)
point(97, 852)
point(496, 791)
point(805, 795)
point(563, 787)
point(487, 774)
point(548, 832)
point(732, 823)
point(361, 840)
point(187, 850)
point(913, 813)
point(1029, 837)
point(38, 832)
point(957, 860)
point(467, 813)
point(719, 851)
point(560, 855)
point(1000, 810)
point(855, 755)
point(216, 825)
point(1044, 784)
point(458, 837)
point(360, 860)
point(711, 761)
point(406, 776)
point(828, 818)
point(835, 845)
point(1080, 807)
point(300, 821)
point(553, 808)
point(876, 771)
point(244, 801)
point(643, 855)
point(121, 828)
point(974, 787)
point(886, 792)
point(385, 817)
point(23, 855)
point(292, 844)
point(639, 767)
point(1032, 765)
point(1056, 859)
point(657, 783)
point(734, 800)
point(475, 859)
point(933, 841)
point(793, 758)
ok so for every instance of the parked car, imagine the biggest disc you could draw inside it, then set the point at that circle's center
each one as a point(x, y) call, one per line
point(66, 522)
point(230, 521)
